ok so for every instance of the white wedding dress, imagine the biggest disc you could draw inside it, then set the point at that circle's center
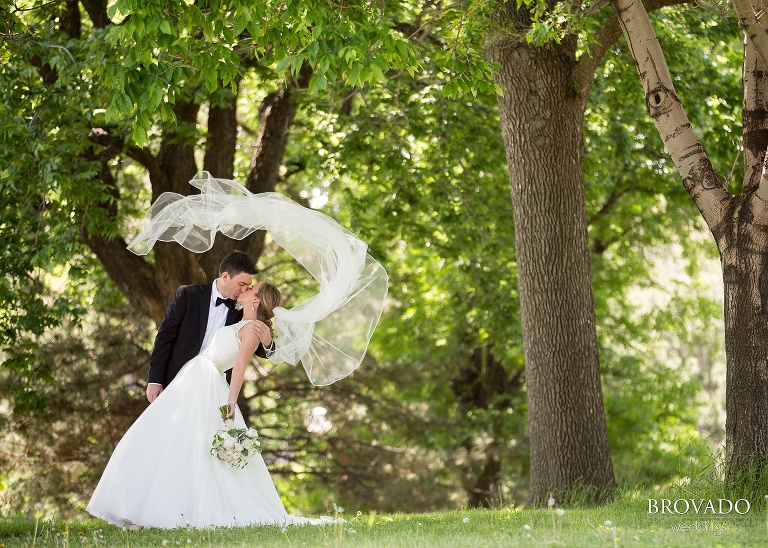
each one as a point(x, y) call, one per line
point(162, 473)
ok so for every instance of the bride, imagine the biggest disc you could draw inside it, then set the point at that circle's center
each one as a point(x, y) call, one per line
point(162, 473)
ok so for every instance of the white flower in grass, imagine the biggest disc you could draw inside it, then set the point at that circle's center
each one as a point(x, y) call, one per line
point(560, 512)
point(527, 527)
point(465, 520)
point(551, 502)
point(608, 523)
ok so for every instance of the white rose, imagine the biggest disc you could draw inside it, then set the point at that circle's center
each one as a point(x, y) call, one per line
point(252, 433)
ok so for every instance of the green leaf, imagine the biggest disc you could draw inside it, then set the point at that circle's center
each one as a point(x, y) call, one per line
point(282, 64)
point(354, 74)
point(241, 23)
point(254, 29)
point(317, 83)
point(296, 63)
point(139, 135)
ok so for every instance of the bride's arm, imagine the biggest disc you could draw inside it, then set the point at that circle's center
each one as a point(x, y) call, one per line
point(248, 344)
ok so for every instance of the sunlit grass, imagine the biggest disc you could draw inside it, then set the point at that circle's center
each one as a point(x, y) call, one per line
point(625, 522)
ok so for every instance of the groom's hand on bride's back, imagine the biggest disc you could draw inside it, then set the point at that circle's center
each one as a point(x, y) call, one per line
point(262, 331)
point(153, 391)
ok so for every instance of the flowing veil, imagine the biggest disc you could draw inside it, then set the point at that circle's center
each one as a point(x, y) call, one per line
point(329, 332)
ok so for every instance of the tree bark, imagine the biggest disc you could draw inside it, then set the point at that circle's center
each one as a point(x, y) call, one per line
point(745, 276)
point(174, 265)
point(220, 147)
point(541, 116)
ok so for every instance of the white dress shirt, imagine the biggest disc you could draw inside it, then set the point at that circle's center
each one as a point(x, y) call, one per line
point(217, 317)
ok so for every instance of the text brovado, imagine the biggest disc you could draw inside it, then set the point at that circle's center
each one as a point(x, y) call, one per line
point(698, 506)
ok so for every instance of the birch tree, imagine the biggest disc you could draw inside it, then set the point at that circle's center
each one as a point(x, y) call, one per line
point(737, 218)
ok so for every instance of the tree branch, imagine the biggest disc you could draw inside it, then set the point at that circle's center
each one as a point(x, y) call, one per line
point(103, 136)
point(607, 35)
point(752, 28)
point(276, 115)
point(148, 160)
point(175, 265)
point(700, 179)
point(131, 274)
point(754, 120)
point(97, 12)
point(220, 162)
point(222, 136)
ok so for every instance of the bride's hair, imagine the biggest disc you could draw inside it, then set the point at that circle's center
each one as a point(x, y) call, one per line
point(270, 298)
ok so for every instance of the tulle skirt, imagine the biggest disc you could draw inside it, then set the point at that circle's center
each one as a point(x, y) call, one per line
point(163, 475)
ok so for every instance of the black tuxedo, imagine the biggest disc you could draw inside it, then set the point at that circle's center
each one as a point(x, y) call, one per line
point(180, 335)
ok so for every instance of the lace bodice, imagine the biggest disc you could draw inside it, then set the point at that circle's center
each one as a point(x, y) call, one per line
point(224, 347)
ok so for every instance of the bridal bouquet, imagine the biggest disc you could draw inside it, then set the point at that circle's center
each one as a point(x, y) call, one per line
point(233, 445)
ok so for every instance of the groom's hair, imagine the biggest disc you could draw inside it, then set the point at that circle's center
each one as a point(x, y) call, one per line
point(237, 262)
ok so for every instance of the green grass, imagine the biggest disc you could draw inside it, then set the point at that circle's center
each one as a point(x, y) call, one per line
point(621, 523)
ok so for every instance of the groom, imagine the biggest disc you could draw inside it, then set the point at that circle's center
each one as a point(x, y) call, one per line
point(193, 317)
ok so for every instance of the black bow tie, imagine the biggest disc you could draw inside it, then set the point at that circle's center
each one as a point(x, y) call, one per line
point(228, 302)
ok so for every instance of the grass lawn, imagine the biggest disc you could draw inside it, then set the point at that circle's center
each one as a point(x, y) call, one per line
point(625, 522)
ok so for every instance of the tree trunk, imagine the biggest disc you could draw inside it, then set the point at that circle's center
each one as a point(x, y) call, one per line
point(482, 383)
point(174, 265)
point(744, 261)
point(745, 277)
point(541, 119)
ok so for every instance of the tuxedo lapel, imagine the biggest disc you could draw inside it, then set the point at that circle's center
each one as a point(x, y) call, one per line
point(205, 306)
